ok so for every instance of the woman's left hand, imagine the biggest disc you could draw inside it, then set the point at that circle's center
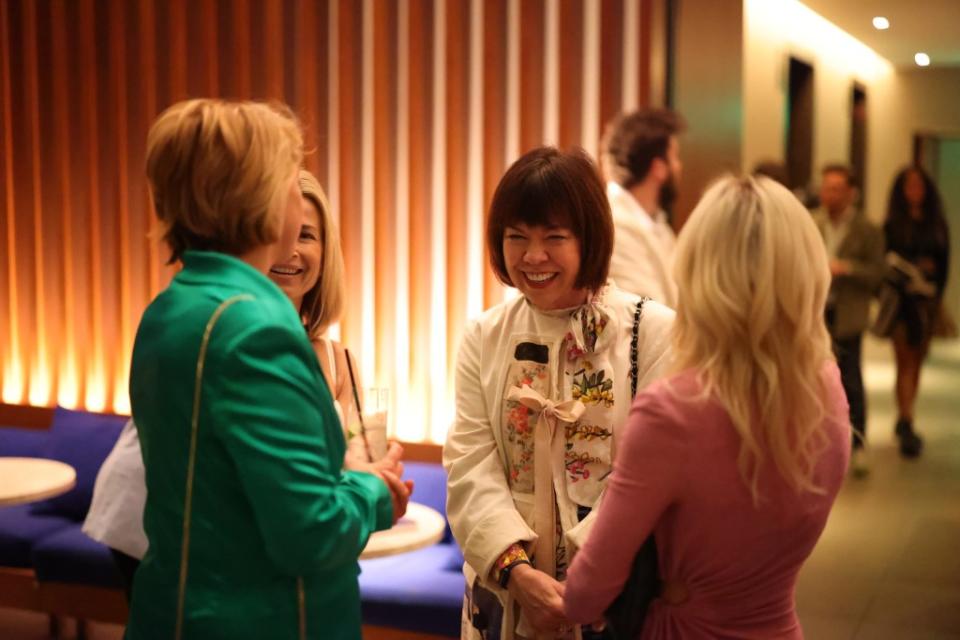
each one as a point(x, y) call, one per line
point(400, 491)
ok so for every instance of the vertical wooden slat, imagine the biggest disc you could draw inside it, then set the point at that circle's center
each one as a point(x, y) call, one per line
point(13, 380)
point(210, 63)
point(421, 99)
point(437, 397)
point(367, 293)
point(332, 108)
point(630, 81)
point(571, 71)
point(494, 118)
point(647, 74)
point(95, 378)
point(40, 373)
point(306, 36)
point(590, 107)
point(457, 120)
point(476, 265)
point(273, 49)
point(241, 75)
point(118, 61)
point(551, 74)
point(68, 382)
point(385, 22)
point(532, 25)
point(148, 86)
point(611, 58)
point(401, 400)
point(177, 43)
point(349, 68)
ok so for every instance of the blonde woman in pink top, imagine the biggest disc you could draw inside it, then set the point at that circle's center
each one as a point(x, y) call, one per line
point(733, 463)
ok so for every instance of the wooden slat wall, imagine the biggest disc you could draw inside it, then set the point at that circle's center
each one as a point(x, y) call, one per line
point(412, 109)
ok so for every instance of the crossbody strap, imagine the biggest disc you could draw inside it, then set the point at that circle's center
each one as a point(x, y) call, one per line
point(192, 460)
point(634, 351)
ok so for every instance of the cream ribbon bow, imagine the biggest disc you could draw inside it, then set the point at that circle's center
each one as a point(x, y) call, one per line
point(548, 463)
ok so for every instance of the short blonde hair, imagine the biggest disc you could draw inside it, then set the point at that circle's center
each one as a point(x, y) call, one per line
point(753, 277)
point(323, 304)
point(219, 171)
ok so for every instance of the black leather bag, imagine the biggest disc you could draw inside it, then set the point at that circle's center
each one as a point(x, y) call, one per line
point(625, 617)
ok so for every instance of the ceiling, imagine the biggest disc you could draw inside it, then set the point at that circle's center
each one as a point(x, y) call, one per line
point(931, 26)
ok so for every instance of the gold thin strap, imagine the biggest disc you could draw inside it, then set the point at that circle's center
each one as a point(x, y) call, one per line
point(192, 461)
point(302, 608)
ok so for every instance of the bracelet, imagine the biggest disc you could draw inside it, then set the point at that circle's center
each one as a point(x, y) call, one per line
point(515, 553)
point(507, 570)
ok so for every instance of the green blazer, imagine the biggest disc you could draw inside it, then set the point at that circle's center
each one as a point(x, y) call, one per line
point(851, 293)
point(275, 526)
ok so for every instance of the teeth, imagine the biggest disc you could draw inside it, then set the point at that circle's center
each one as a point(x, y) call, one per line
point(286, 271)
point(540, 277)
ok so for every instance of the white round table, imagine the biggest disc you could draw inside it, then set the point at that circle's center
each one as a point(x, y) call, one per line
point(420, 527)
point(31, 479)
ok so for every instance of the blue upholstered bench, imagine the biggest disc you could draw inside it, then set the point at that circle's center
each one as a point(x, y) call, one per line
point(45, 536)
point(420, 591)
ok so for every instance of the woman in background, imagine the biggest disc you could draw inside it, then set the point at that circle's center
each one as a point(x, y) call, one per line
point(253, 528)
point(733, 462)
point(916, 230)
point(313, 280)
point(543, 386)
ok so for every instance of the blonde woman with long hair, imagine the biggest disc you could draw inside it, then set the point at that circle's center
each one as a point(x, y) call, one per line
point(734, 461)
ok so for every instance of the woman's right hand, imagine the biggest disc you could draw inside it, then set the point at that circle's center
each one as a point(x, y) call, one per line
point(540, 597)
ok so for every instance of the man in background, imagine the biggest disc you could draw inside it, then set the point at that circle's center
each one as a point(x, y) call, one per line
point(640, 158)
point(855, 247)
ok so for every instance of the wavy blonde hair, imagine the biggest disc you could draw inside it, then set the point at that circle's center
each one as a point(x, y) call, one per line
point(752, 274)
point(323, 304)
point(219, 172)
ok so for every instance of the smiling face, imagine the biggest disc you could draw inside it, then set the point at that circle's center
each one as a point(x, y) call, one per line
point(299, 273)
point(543, 262)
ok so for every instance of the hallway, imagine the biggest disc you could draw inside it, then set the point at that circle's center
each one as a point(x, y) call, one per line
point(888, 564)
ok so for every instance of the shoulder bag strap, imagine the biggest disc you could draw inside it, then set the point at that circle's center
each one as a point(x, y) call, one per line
point(192, 460)
point(634, 353)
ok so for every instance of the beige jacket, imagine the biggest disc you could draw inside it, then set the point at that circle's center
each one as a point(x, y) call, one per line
point(643, 246)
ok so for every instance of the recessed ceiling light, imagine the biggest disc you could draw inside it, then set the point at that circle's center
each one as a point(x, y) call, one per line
point(922, 59)
point(881, 23)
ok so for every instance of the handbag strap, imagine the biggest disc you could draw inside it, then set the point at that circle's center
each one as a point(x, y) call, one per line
point(356, 401)
point(634, 352)
point(192, 459)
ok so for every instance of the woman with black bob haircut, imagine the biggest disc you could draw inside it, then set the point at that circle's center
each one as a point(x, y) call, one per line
point(544, 384)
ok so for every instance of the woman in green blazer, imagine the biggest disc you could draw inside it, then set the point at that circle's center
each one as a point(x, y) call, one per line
point(254, 531)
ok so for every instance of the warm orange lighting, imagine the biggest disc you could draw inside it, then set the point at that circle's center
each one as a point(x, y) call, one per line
point(68, 392)
point(13, 381)
point(96, 399)
point(121, 398)
point(40, 382)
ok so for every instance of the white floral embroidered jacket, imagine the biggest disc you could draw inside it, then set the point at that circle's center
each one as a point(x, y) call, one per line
point(580, 354)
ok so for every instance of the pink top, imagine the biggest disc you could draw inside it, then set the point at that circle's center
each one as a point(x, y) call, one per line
point(676, 474)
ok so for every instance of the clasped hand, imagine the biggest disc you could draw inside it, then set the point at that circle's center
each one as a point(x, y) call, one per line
point(540, 597)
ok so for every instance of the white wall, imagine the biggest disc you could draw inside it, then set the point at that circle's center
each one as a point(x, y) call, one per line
point(774, 31)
